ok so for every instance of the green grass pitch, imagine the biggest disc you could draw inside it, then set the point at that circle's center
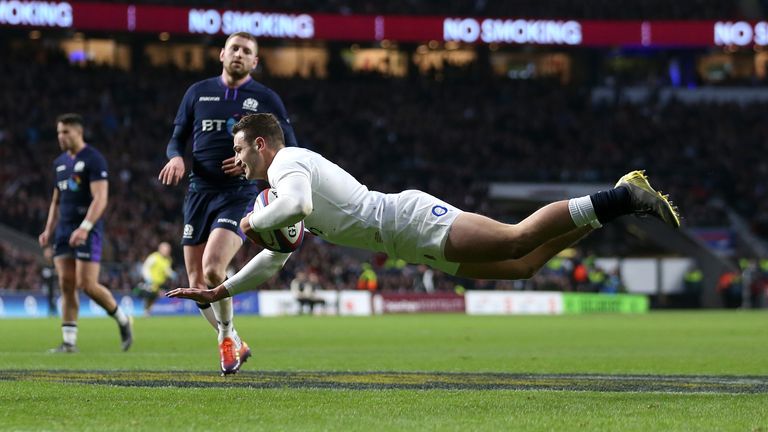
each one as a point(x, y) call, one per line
point(661, 371)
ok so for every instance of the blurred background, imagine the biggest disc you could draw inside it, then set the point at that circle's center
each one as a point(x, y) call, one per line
point(496, 107)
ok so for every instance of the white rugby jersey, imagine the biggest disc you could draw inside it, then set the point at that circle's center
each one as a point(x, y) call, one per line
point(344, 212)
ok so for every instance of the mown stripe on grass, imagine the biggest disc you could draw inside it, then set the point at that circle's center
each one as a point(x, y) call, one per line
point(402, 380)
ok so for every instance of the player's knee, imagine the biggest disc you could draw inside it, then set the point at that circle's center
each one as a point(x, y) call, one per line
point(213, 276)
point(67, 284)
point(89, 287)
point(68, 287)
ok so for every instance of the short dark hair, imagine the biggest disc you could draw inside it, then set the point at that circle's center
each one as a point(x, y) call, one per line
point(261, 125)
point(70, 119)
point(245, 35)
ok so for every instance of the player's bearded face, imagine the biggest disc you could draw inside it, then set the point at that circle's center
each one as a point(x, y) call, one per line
point(67, 135)
point(239, 57)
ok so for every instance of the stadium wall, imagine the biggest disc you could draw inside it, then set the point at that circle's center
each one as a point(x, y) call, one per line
point(355, 303)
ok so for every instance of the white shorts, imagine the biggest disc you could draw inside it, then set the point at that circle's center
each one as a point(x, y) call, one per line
point(418, 227)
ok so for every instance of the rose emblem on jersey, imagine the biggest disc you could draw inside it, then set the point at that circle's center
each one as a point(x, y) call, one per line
point(439, 210)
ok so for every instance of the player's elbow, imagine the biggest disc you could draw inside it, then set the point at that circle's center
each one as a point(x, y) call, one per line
point(301, 208)
point(305, 209)
point(279, 263)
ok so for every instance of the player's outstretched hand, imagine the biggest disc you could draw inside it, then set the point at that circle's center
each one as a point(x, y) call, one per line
point(196, 294)
point(199, 295)
point(231, 168)
point(172, 172)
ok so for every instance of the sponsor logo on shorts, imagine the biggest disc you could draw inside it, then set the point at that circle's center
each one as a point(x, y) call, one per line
point(228, 221)
point(82, 255)
point(439, 210)
point(188, 231)
point(251, 104)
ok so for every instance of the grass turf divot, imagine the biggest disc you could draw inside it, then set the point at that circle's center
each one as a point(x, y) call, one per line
point(403, 380)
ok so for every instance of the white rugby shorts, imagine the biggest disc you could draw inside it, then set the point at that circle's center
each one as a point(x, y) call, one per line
point(417, 226)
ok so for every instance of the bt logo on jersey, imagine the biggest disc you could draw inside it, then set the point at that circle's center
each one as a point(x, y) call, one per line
point(210, 125)
point(216, 125)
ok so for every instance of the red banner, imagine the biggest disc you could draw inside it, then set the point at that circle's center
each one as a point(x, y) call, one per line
point(266, 24)
point(418, 303)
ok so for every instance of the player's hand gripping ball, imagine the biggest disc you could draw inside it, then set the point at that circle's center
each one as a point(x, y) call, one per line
point(284, 240)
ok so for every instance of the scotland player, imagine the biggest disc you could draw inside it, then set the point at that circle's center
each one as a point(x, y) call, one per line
point(411, 225)
point(76, 226)
point(218, 194)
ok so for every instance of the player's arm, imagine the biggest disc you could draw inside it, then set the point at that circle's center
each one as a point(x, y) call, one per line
point(293, 204)
point(173, 171)
point(51, 221)
point(258, 270)
point(99, 194)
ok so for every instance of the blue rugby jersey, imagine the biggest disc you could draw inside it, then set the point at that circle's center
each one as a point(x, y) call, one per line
point(208, 113)
point(73, 179)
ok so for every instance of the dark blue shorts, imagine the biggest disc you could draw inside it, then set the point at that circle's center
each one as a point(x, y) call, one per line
point(205, 211)
point(90, 251)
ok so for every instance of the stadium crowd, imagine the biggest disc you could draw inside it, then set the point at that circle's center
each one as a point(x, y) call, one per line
point(449, 138)
point(594, 9)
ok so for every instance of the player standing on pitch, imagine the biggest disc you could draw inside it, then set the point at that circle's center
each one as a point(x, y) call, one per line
point(76, 226)
point(219, 194)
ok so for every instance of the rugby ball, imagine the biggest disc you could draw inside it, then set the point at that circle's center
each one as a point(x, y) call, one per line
point(284, 240)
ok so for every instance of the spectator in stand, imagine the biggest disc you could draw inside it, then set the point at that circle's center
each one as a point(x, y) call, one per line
point(553, 9)
point(722, 143)
point(368, 280)
point(729, 285)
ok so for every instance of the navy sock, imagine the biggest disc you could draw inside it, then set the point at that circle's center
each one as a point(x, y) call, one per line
point(611, 204)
